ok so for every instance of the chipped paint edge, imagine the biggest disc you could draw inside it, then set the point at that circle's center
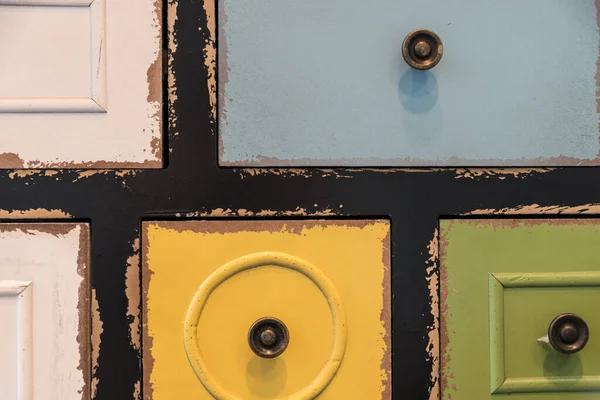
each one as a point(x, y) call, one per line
point(593, 208)
point(386, 313)
point(133, 295)
point(343, 172)
point(147, 357)
point(210, 56)
point(172, 45)
point(34, 213)
point(97, 330)
point(242, 212)
point(85, 328)
point(434, 274)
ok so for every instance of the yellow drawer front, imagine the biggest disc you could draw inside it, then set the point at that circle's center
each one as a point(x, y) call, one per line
point(207, 282)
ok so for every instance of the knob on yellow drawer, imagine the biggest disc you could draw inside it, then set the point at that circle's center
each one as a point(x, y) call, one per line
point(323, 286)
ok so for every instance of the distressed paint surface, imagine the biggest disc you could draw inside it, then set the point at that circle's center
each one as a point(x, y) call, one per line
point(129, 133)
point(353, 254)
point(55, 259)
point(472, 249)
point(321, 83)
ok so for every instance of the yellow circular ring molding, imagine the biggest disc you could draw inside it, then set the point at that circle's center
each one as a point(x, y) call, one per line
point(256, 260)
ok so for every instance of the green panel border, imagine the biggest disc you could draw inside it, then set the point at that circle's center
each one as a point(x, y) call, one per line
point(499, 383)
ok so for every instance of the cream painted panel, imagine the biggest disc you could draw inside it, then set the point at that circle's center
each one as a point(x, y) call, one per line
point(44, 69)
point(16, 346)
point(80, 83)
point(44, 306)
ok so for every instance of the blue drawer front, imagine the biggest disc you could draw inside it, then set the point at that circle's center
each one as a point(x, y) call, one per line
point(323, 82)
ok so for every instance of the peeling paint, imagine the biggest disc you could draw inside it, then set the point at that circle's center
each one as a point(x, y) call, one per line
point(171, 78)
point(34, 213)
point(137, 392)
point(386, 319)
point(83, 336)
point(537, 209)
point(347, 173)
point(148, 359)
point(117, 173)
point(242, 212)
point(91, 164)
point(433, 345)
point(132, 291)
point(24, 173)
point(154, 73)
point(444, 356)
point(306, 173)
point(11, 160)
point(97, 329)
point(68, 173)
point(487, 173)
point(210, 56)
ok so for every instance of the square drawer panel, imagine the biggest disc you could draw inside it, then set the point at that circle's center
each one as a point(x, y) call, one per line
point(267, 309)
point(323, 82)
point(80, 84)
point(45, 311)
point(504, 283)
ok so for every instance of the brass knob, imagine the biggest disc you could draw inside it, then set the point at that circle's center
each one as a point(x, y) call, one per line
point(268, 337)
point(422, 49)
point(568, 333)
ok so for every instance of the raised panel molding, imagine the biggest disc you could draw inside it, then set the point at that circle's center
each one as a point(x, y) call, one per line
point(45, 336)
point(97, 100)
point(499, 382)
point(24, 321)
point(81, 84)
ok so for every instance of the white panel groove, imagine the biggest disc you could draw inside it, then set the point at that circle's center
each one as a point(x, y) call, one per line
point(50, 106)
point(96, 103)
point(22, 290)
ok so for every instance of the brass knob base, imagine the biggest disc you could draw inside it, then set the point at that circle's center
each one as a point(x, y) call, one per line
point(268, 337)
point(422, 49)
point(568, 333)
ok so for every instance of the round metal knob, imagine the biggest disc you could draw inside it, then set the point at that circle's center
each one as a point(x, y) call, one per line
point(268, 337)
point(568, 333)
point(422, 49)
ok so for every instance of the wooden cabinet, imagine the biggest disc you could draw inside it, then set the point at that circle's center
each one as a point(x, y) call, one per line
point(503, 283)
point(324, 83)
point(271, 245)
point(207, 282)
